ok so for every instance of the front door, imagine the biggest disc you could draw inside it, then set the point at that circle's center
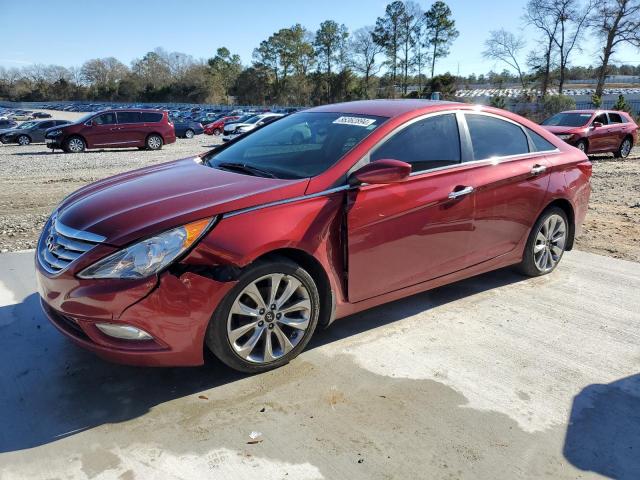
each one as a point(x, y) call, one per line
point(406, 233)
point(103, 131)
point(600, 137)
point(510, 176)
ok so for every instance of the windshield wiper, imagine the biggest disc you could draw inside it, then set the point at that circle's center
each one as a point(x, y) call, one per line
point(244, 168)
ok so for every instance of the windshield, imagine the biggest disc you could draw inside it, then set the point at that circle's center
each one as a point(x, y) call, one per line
point(568, 119)
point(301, 145)
point(27, 125)
point(86, 117)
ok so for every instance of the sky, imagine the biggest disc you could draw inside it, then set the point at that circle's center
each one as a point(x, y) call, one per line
point(67, 33)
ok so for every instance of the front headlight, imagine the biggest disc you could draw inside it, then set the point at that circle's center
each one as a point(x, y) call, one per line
point(565, 136)
point(148, 256)
point(54, 133)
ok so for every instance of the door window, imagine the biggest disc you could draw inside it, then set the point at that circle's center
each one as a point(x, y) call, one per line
point(602, 118)
point(105, 119)
point(615, 118)
point(426, 144)
point(44, 125)
point(129, 117)
point(540, 143)
point(492, 137)
point(150, 117)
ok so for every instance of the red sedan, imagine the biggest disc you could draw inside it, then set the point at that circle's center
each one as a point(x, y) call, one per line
point(217, 127)
point(595, 131)
point(249, 248)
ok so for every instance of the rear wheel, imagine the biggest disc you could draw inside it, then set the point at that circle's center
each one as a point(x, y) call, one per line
point(154, 142)
point(546, 244)
point(217, 131)
point(189, 133)
point(74, 145)
point(625, 148)
point(24, 140)
point(582, 146)
point(267, 319)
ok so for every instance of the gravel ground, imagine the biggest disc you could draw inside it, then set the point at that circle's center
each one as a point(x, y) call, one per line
point(34, 181)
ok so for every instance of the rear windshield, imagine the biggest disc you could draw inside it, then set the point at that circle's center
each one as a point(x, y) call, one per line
point(301, 145)
point(568, 120)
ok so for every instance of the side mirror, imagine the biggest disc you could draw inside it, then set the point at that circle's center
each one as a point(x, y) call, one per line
point(597, 124)
point(89, 123)
point(381, 171)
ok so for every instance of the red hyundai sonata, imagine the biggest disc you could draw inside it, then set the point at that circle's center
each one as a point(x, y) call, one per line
point(249, 248)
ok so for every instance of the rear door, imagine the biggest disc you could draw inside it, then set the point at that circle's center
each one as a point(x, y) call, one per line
point(600, 137)
point(131, 130)
point(406, 233)
point(38, 133)
point(510, 177)
point(617, 130)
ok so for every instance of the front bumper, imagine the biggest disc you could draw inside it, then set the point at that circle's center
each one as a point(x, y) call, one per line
point(174, 309)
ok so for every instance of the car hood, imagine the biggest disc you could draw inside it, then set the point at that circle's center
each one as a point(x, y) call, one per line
point(560, 129)
point(7, 130)
point(143, 202)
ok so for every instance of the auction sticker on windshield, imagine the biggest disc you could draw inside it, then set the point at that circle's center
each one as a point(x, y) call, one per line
point(357, 121)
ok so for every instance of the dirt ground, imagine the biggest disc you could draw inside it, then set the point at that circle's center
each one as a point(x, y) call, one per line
point(33, 181)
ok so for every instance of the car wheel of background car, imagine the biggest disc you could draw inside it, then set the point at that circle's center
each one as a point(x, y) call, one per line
point(217, 131)
point(546, 243)
point(24, 140)
point(189, 133)
point(267, 319)
point(625, 148)
point(582, 146)
point(154, 142)
point(74, 145)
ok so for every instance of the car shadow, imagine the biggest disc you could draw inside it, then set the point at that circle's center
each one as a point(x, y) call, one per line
point(51, 389)
point(603, 435)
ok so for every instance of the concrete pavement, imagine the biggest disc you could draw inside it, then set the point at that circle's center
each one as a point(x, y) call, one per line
point(497, 377)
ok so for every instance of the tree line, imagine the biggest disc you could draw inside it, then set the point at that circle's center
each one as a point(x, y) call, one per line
point(396, 56)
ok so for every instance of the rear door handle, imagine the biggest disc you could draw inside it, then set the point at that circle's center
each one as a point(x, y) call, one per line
point(538, 169)
point(460, 193)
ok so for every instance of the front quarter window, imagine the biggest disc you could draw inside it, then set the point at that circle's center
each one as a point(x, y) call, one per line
point(301, 145)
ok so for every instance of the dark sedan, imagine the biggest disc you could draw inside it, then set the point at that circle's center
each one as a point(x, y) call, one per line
point(187, 128)
point(29, 132)
point(6, 124)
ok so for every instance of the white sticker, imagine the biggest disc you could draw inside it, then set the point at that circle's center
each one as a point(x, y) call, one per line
point(357, 121)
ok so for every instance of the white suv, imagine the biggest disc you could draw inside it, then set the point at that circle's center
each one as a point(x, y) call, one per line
point(232, 130)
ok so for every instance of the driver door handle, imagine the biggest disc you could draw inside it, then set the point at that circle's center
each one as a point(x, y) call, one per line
point(538, 169)
point(460, 193)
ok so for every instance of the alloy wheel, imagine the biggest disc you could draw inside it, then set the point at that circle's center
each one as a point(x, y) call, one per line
point(269, 318)
point(75, 145)
point(23, 140)
point(550, 242)
point(625, 150)
point(189, 134)
point(154, 142)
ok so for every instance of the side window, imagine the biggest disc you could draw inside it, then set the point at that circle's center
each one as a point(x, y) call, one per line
point(602, 118)
point(540, 143)
point(492, 137)
point(44, 125)
point(426, 144)
point(150, 117)
point(615, 118)
point(128, 117)
point(105, 119)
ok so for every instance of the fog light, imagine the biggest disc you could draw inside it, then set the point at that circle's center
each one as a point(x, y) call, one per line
point(125, 332)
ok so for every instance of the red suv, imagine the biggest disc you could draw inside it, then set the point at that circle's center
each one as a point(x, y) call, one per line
point(145, 129)
point(595, 131)
point(247, 249)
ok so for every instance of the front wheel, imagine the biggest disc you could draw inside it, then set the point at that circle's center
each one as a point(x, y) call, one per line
point(625, 149)
point(189, 133)
point(24, 140)
point(74, 145)
point(546, 244)
point(154, 142)
point(267, 319)
point(217, 131)
point(582, 146)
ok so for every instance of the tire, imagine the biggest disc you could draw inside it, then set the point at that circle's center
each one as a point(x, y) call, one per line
point(74, 145)
point(582, 146)
point(217, 132)
point(625, 148)
point(230, 331)
point(154, 142)
point(541, 253)
point(189, 133)
point(23, 140)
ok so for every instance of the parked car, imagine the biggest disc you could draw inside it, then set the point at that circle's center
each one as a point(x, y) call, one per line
point(250, 247)
point(188, 129)
point(145, 129)
point(41, 115)
point(232, 130)
point(32, 131)
point(20, 117)
point(595, 131)
point(217, 127)
point(6, 124)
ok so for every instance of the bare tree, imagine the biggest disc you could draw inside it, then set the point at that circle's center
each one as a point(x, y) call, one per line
point(538, 13)
point(364, 51)
point(504, 46)
point(616, 22)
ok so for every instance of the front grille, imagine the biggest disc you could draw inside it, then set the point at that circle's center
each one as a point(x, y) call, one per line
point(59, 245)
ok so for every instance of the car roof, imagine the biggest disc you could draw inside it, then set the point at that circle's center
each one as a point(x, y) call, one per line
point(381, 108)
point(141, 110)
